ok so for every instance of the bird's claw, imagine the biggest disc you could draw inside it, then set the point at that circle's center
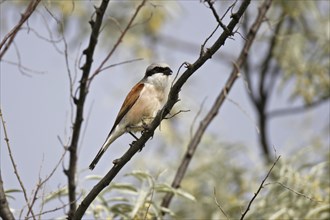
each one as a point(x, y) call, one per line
point(146, 129)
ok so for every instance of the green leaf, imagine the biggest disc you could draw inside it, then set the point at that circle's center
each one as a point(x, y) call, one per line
point(93, 177)
point(123, 187)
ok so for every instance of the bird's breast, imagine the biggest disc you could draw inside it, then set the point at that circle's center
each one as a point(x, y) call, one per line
point(150, 101)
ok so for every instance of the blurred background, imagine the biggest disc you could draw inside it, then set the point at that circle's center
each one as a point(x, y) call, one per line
point(279, 106)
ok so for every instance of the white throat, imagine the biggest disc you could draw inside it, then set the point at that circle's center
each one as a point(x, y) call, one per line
point(159, 80)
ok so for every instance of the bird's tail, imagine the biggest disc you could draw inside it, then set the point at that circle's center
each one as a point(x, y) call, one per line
point(105, 146)
point(97, 158)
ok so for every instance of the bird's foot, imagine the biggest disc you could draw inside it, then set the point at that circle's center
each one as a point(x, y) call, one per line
point(146, 129)
point(131, 144)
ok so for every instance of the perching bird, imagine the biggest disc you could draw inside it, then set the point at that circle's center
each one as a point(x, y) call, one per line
point(141, 105)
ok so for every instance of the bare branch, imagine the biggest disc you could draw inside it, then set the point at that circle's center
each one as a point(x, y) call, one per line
point(210, 3)
point(83, 90)
point(295, 192)
point(14, 164)
point(217, 203)
point(5, 212)
point(42, 182)
point(23, 68)
point(172, 99)
point(119, 40)
point(259, 189)
point(192, 146)
point(196, 116)
point(121, 63)
point(297, 109)
point(207, 39)
point(175, 114)
point(9, 38)
point(79, 102)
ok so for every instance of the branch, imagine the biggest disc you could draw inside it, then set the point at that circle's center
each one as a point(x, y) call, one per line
point(42, 182)
point(218, 103)
point(9, 38)
point(5, 212)
point(259, 189)
point(264, 91)
point(14, 164)
point(79, 102)
point(83, 90)
point(123, 33)
point(295, 192)
point(210, 3)
point(297, 109)
point(172, 99)
point(217, 203)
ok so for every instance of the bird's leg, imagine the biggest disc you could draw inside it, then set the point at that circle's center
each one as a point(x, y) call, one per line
point(133, 135)
point(133, 142)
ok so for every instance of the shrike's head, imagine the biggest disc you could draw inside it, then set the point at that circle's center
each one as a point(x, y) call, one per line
point(158, 74)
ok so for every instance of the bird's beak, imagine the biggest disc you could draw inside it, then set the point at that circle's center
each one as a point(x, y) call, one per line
point(168, 72)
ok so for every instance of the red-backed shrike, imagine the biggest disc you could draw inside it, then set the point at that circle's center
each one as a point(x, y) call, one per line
point(141, 105)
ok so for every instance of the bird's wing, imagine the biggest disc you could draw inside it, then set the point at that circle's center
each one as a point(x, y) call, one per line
point(130, 100)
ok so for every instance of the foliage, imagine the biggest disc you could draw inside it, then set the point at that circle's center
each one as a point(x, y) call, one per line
point(225, 174)
point(137, 199)
point(297, 189)
point(302, 48)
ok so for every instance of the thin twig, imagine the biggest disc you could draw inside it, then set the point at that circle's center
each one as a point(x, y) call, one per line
point(121, 63)
point(294, 191)
point(297, 109)
point(207, 39)
point(175, 114)
point(42, 182)
point(53, 210)
point(224, 27)
point(244, 112)
point(259, 189)
point(24, 68)
point(9, 38)
point(119, 40)
point(14, 164)
point(217, 203)
point(196, 116)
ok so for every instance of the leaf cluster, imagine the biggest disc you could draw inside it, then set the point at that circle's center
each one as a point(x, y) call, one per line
point(137, 199)
point(302, 48)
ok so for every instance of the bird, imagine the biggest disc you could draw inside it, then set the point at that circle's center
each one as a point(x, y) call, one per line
point(140, 106)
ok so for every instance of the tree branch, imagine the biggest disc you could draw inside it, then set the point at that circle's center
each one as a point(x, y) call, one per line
point(9, 38)
point(119, 40)
point(259, 189)
point(210, 3)
point(297, 109)
point(79, 102)
point(172, 99)
point(5, 212)
point(218, 103)
point(14, 164)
